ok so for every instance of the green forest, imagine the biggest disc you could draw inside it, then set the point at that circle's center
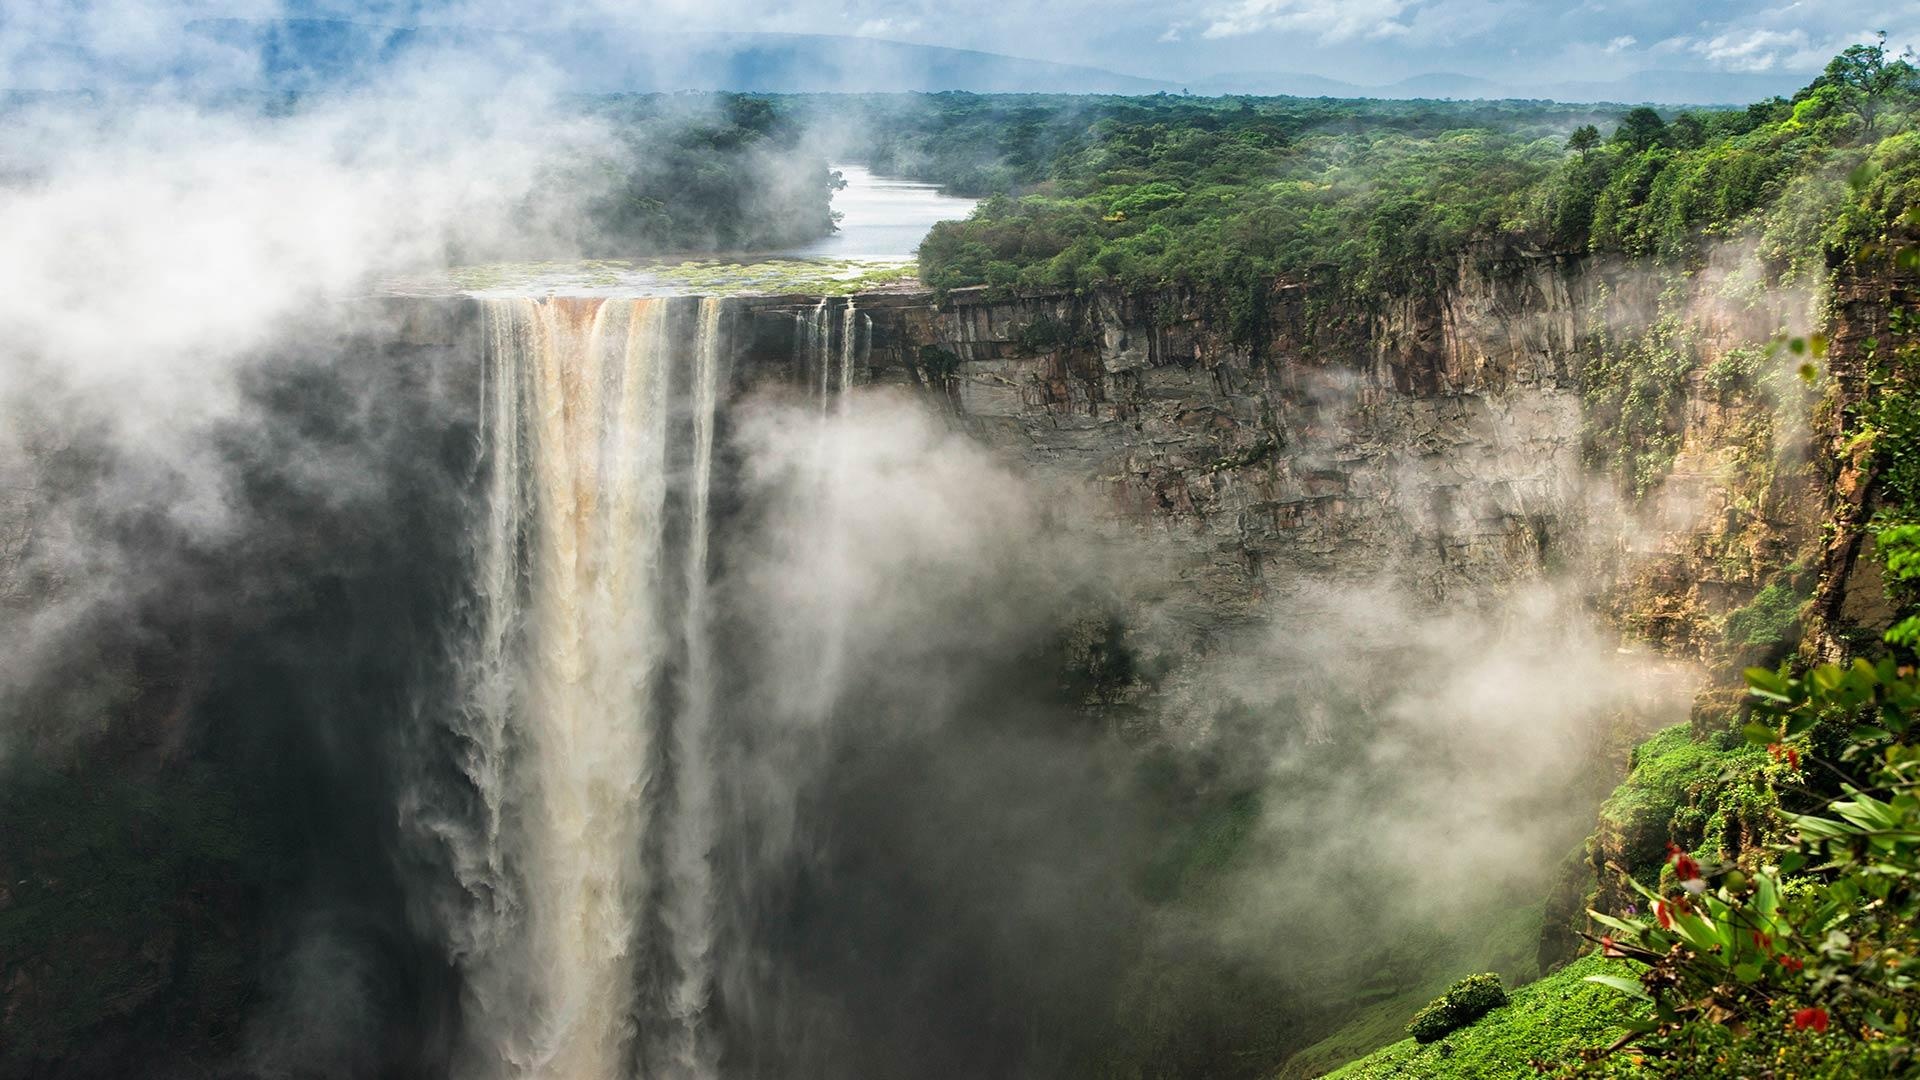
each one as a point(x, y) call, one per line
point(1380, 197)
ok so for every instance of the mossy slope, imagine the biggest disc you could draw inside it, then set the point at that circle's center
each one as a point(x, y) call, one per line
point(1548, 1020)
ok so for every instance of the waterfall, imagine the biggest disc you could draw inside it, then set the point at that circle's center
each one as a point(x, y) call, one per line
point(815, 347)
point(849, 345)
point(690, 915)
point(589, 681)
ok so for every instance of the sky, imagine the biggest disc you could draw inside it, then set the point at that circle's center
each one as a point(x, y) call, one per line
point(1370, 42)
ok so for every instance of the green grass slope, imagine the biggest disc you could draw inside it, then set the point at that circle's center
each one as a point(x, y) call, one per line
point(1547, 1020)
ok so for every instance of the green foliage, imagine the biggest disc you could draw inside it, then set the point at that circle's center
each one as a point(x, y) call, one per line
point(683, 173)
point(1739, 949)
point(1641, 129)
point(1046, 334)
point(1232, 192)
point(1899, 545)
point(1890, 423)
point(1810, 959)
point(1771, 618)
point(1866, 78)
point(1635, 391)
point(1504, 940)
point(937, 362)
point(1203, 848)
point(1551, 1018)
point(1463, 1003)
point(1738, 368)
point(1681, 789)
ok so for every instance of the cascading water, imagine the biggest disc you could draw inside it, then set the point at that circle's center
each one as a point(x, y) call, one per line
point(690, 916)
point(590, 694)
point(587, 734)
point(832, 364)
point(815, 339)
point(830, 367)
point(849, 345)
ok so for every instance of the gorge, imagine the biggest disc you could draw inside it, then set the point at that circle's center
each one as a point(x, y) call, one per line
point(1037, 661)
point(1384, 470)
point(1364, 474)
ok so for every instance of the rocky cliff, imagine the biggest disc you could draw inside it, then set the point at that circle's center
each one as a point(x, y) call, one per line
point(1501, 426)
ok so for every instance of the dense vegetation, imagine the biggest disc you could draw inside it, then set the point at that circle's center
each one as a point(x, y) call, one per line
point(1380, 197)
point(681, 173)
point(1762, 865)
point(1228, 192)
point(1464, 1002)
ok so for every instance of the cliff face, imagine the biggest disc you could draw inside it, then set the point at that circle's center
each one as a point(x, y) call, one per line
point(1532, 416)
point(1456, 441)
point(1850, 602)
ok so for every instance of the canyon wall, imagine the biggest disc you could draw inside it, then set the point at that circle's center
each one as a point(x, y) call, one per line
point(1455, 441)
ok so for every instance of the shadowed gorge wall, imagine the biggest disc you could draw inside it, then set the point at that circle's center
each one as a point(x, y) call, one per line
point(227, 830)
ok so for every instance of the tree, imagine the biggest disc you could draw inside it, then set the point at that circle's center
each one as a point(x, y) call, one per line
point(1687, 131)
point(1866, 78)
point(1641, 128)
point(1584, 139)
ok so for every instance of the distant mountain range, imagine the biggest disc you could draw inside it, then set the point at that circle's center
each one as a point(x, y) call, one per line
point(305, 54)
point(1658, 87)
point(315, 54)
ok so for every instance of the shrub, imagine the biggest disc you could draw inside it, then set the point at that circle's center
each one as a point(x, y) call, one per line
point(1464, 1002)
point(1771, 619)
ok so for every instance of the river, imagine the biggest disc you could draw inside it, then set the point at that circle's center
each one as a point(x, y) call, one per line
point(883, 218)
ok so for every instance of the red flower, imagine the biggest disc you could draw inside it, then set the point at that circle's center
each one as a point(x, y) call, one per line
point(1810, 1018)
point(1762, 941)
point(1663, 914)
point(1684, 868)
point(1791, 963)
point(1783, 752)
point(1608, 948)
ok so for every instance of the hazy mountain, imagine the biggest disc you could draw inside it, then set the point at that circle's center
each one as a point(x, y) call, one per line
point(305, 54)
point(1678, 87)
point(1284, 83)
point(1442, 84)
point(1660, 87)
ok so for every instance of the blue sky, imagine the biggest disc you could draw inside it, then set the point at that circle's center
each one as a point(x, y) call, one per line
point(1363, 41)
point(1357, 40)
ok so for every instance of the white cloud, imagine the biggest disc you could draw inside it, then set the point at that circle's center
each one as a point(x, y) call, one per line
point(1622, 43)
point(888, 28)
point(1328, 20)
point(1754, 50)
